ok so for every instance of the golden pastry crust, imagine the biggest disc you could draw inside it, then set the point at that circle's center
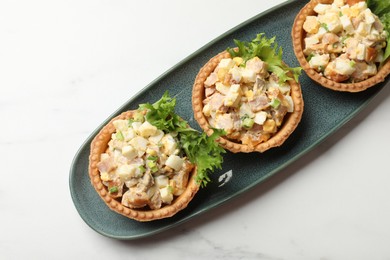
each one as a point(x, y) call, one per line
point(291, 120)
point(298, 35)
point(98, 146)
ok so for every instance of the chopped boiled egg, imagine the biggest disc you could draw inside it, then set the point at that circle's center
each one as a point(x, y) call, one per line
point(146, 129)
point(166, 194)
point(126, 171)
point(319, 61)
point(311, 25)
point(175, 162)
point(260, 117)
point(169, 144)
point(129, 152)
point(233, 96)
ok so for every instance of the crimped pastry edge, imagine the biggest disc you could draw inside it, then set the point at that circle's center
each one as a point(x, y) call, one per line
point(291, 120)
point(297, 34)
point(98, 146)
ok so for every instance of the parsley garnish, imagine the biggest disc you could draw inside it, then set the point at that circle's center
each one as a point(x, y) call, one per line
point(201, 150)
point(267, 50)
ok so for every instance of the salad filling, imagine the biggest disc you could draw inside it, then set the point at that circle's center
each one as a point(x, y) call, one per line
point(345, 41)
point(248, 94)
point(151, 155)
point(143, 165)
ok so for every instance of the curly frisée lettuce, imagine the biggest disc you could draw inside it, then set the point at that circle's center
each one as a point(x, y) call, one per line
point(267, 50)
point(202, 150)
point(382, 9)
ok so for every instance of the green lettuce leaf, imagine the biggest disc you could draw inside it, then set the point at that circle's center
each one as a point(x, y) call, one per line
point(267, 50)
point(200, 149)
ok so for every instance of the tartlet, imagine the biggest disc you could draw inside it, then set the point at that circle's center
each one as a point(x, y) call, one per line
point(99, 146)
point(340, 78)
point(232, 140)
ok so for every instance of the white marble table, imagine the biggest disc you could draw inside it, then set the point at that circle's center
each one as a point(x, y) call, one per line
point(65, 66)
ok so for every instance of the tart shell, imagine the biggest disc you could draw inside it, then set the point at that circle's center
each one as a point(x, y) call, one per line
point(298, 36)
point(290, 121)
point(99, 145)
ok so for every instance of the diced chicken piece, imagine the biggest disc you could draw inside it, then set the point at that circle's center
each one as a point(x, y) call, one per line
point(378, 25)
point(280, 113)
point(351, 46)
point(259, 85)
point(224, 121)
point(211, 79)
point(155, 198)
point(115, 187)
point(330, 38)
point(245, 110)
point(221, 88)
point(256, 65)
point(106, 164)
point(332, 21)
point(363, 71)
point(135, 199)
point(319, 62)
point(209, 91)
point(147, 129)
point(146, 182)
point(311, 40)
point(180, 180)
point(311, 24)
point(216, 102)
point(259, 103)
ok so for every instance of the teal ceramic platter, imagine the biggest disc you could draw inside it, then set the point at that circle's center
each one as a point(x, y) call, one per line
point(325, 112)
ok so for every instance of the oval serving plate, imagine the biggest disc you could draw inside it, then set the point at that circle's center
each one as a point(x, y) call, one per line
point(325, 112)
